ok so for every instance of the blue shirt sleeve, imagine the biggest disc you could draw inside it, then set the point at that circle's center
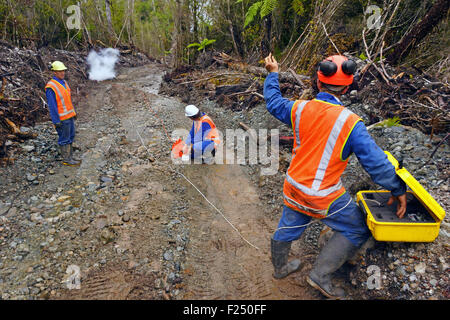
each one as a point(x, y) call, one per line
point(52, 106)
point(373, 160)
point(278, 106)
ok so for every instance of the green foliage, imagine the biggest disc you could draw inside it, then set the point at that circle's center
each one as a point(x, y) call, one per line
point(362, 56)
point(264, 7)
point(267, 7)
point(202, 45)
point(391, 122)
point(252, 12)
point(298, 7)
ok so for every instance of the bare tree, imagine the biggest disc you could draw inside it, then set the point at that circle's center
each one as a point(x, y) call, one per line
point(108, 16)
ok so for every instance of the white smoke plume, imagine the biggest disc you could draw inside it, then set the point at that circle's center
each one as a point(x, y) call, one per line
point(102, 64)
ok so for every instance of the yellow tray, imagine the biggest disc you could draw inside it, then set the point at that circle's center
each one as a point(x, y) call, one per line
point(422, 219)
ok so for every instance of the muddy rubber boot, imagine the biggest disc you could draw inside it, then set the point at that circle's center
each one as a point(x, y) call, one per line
point(333, 255)
point(71, 154)
point(280, 252)
point(208, 159)
point(65, 154)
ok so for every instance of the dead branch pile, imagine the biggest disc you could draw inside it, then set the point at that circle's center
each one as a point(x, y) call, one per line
point(232, 83)
point(416, 98)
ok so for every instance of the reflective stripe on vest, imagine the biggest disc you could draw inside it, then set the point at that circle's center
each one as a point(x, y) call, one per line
point(302, 207)
point(309, 171)
point(298, 115)
point(331, 142)
point(63, 101)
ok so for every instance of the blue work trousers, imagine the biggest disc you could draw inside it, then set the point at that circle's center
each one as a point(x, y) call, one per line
point(350, 221)
point(66, 133)
point(202, 147)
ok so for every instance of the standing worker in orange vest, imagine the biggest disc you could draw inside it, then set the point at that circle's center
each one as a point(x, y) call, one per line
point(62, 112)
point(203, 138)
point(325, 135)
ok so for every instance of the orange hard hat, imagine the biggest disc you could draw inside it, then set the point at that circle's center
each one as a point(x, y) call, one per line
point(336, 70)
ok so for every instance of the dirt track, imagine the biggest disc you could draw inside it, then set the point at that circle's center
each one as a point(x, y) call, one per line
point(136, 229)
point(208, 257)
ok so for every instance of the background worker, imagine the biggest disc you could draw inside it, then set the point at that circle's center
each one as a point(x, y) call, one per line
point(62, 112)
point(203, 138)
point(325, 135)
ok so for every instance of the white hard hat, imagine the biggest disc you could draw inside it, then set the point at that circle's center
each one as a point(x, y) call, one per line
point(191, 110)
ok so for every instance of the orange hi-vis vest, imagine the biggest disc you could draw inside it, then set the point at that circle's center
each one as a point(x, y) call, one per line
point(63, 99)
point(313, 179)
point(212, 134)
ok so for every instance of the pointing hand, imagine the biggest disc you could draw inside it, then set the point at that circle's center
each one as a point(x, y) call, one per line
point(271, 63)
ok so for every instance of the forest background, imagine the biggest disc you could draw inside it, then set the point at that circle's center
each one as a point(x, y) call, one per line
point(299, 32)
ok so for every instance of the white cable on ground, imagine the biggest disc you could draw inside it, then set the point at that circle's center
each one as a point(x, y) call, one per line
point(176, 171)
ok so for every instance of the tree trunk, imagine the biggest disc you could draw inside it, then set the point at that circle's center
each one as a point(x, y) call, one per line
point(108, 16)
point(130, 27)
point(195, 19)
point(233, 38)
point(265, 42)
point(437, 12)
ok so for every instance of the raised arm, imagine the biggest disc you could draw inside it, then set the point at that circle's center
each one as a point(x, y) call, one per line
point(278, 106)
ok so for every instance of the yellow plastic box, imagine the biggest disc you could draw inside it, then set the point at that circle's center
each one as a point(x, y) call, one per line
point(421, 221)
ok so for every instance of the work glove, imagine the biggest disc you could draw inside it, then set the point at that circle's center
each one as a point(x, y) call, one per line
point(185, 158)
point(57, 125)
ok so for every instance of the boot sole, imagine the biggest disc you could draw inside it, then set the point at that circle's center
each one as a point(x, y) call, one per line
point(316, 286)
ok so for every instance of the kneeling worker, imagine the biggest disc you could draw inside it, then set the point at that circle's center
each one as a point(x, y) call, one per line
point(203, 138)
point(62, 112)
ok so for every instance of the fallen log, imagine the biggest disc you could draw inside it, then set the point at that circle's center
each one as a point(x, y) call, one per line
point(290, 76)
point(12, 126)
point(229, 89)
point(282, 76)
point(17, 133)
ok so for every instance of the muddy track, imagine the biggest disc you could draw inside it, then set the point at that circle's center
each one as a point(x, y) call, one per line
point(216, 262)
point(226, 266)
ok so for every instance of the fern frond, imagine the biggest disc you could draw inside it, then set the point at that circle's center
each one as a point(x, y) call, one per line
point(252, 12)
point(195, 44)
point(267, 7)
